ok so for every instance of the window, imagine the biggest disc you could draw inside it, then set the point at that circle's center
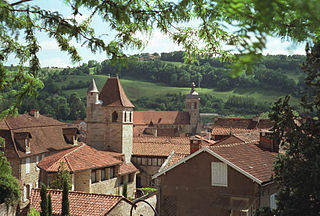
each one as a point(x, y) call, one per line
point(273, 204)
point(149, 161)
point(219, 174)
point(93, 176)
point(111, 172)
point(114, 116)
point(37, 161)
point(43, 155)
point(27, 165)
point(144, 161)
point(195, 105)
point(103, 174)
point(26, 192)
point(154, 161)
point(131, 177)
point(130, 117)
point(139, 160)
point(125, 116)
point(160, 161)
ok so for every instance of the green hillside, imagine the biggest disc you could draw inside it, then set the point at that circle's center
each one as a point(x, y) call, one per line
point(136, 89)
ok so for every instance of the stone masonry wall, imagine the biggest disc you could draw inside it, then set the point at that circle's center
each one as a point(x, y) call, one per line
point(82, 181)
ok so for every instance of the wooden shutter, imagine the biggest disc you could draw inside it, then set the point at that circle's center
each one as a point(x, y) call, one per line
point(219, 174)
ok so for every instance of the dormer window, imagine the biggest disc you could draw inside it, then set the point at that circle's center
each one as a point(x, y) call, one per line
point(114, 116)
point(23, 140)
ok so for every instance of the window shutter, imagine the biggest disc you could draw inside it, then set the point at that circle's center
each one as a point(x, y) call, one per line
point(37, 161)
point(219, 174)
point(273, 201)
point(25, 193)
point(27, 165)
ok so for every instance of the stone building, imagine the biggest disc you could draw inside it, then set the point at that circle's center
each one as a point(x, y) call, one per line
point(170, 123)
point(92, 170)
point(112, 125)
point(28, 139)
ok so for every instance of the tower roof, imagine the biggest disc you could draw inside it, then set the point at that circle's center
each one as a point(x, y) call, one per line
point(193, 94)
point(112, 94)
point(92, 87)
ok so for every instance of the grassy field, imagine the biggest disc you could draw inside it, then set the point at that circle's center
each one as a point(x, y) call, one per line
point(136, 89)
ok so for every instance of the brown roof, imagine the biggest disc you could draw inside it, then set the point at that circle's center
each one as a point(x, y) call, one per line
point(79, 158)
point(160, 146)
point(223, 126)
point(175, 158)
point(43, 139)
point(248, 157)
point(127, 168)
point(28, 121)
point(80, 203)
point(112, 94)
point(160, 117)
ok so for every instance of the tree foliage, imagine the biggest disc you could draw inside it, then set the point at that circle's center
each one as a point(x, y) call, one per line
point(9, 186)
point(44, 200)
point(65, 198)
point(297, 171)
point(62, 175)
point(242, 24)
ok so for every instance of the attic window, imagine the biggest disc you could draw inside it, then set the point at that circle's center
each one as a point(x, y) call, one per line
point(114, 116)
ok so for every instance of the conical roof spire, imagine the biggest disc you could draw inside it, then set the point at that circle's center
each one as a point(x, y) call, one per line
point(112, 94)
point(92, 87)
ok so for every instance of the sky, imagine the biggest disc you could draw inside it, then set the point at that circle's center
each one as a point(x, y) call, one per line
point(51, 56)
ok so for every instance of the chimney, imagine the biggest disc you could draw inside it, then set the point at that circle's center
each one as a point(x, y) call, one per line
point(267, 142)
point(195, 144)
point(35, 113)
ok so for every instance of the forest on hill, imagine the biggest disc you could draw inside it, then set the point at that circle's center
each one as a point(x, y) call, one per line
point(63, 96)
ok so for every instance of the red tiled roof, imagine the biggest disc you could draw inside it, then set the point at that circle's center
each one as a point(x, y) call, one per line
point(227, 131)
point(80, 203)
point(175, 158)
point(160, 117)
point(239, 125)
point(126, 168)
point(28, 121)
point(112, 94)
point(79, 158)
point(248, 157)
point(160, 146)
point(229, 141)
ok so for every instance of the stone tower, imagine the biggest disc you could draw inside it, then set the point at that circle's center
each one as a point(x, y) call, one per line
point(110, 118)
point(193, 106)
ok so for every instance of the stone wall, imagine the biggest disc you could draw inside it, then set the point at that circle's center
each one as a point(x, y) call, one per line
point(82, 181)
point(7, 210)
point(127, 136)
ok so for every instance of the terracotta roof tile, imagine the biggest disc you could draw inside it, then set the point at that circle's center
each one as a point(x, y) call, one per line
point(239, 125)
point(79, 158)
point(160, 146)
point(175, 158)
point(112, 94)
point(160, 117)
point(248, 157)
point(80, 203)
point(28, 121)
point(126, 168)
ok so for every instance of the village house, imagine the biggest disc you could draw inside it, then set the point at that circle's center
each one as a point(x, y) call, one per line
point(231, 177)
point(92, 171)
point(28, 139)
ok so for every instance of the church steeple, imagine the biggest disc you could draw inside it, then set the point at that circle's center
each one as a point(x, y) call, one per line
point(192, 106)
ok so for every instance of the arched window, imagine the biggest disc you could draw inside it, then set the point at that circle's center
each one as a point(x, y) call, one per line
point(125, 116)
point(195, 105)
point(130, 117)
point(114, 116)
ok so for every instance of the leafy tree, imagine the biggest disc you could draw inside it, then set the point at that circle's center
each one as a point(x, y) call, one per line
point(9, 186)
point(65, 199)
point(44, 200)
point(49, 205)
point(62, 175)
point(297, 171)
point(251, 19)
point(33, 212)
point(125, 189)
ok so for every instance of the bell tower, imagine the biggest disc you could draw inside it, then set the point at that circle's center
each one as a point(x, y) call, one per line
point(193, 107)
